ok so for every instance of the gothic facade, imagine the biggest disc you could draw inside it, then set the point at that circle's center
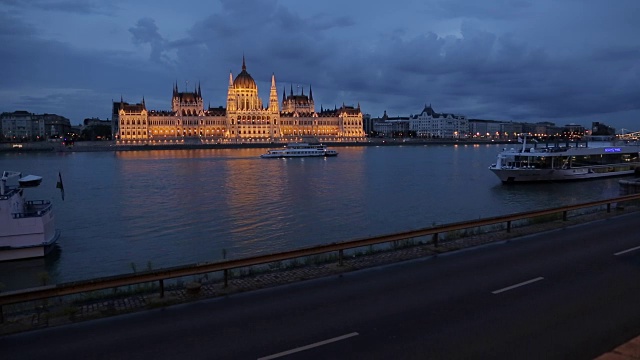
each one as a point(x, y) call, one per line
point(244, 120)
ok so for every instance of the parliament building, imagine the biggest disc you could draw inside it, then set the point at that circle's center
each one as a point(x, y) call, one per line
point(244, 120)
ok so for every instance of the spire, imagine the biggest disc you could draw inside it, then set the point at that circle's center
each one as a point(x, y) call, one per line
point(273, 95)
point(321, 109)
point(142, 99)
point(302, 91)
point(284, 94)
point(244, 67)
point(358, 104)
point(199, 90)
point(291, 89)
point(230, 78)
point(310, 93)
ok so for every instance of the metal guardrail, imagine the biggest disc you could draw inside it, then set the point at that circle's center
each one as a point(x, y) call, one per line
point(160, 275)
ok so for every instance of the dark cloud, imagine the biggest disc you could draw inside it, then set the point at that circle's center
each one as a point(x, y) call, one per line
point(73, 6)
point(496, 9)
point(13, 26)
point(48, 76)
point(508, 60)
point(146, 32)
point(510, 79)
point(70, 6)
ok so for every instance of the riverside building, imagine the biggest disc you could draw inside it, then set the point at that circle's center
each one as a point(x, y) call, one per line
point(25, 126)
point(244, 120)
point(426, 124)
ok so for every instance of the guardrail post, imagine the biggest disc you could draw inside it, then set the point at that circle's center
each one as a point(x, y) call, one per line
point(340, 257)
point(161, 288)
point(226, 277)
point(435, 239)
point(509, 226)
point(564, 215)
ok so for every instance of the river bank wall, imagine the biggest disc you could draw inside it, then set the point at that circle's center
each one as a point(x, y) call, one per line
point(86, 146)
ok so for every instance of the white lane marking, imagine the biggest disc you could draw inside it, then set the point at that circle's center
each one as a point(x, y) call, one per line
point(517, 285)
point(310, 346)
point(626, 251)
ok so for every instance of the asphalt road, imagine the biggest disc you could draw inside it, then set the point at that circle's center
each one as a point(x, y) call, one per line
point(572, 293)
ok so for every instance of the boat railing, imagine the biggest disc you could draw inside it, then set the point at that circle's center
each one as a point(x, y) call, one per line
point(8, 192)
point(34, 208)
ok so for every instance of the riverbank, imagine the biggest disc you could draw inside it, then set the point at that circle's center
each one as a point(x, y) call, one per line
point(87, 146)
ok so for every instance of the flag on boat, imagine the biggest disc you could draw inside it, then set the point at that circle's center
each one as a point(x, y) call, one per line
point(60, 186)
point(520, 139)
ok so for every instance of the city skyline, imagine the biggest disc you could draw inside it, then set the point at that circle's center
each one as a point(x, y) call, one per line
point(558, 61)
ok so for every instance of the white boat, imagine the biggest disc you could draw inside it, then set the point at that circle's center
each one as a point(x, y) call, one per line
point(30, 181)
point(569, 161)
point(300, 150)
point(27, 227)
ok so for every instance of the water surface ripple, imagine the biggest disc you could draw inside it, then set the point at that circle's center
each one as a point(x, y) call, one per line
point(173, 207)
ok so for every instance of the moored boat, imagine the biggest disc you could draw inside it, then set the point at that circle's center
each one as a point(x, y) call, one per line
point(570, 161)
point(300, 150)
point(27, 227)
point(30, 181)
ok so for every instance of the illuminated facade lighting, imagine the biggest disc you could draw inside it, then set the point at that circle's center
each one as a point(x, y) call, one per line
point(244, 119)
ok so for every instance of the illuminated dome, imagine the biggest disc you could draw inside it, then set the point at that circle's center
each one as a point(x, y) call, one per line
point(244, 80)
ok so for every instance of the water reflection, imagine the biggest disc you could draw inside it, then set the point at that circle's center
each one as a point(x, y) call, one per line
point(126, 210)
point(31, 272)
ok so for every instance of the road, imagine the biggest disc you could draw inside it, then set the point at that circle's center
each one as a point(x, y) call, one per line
point(571, 293)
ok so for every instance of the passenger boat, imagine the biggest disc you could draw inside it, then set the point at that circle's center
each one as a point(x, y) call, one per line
point(300, 150)
point(27, 227)
point(573, 161)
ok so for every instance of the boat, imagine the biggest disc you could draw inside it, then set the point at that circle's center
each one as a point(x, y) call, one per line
point(566, 162)
point(27, 227)
point(30, 181)
point(300, 150)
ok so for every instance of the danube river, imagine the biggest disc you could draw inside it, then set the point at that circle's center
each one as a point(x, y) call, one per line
point(174, 207)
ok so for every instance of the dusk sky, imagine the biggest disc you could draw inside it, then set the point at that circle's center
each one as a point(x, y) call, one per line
point(564, 61)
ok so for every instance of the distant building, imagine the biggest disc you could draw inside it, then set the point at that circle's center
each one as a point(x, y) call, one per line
point(486, 129)
point(390, 126)
point(96, 122)
point(25, 126)
point(367, 124)
point(427, 124)
point(510, 130)
point(244, 120)
point(431, 124)
point(96, 129)
point(600, 129)
point(573, 131)
point(503, 130)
